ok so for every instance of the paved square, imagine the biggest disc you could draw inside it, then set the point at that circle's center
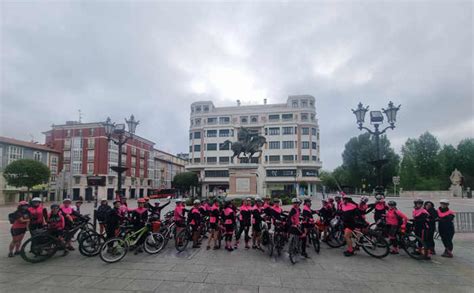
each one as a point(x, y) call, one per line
point(199, 270)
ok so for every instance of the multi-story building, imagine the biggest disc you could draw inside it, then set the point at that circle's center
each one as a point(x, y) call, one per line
point(85, 151)
point(290, 161)
point(163, 167)
point(12, 150)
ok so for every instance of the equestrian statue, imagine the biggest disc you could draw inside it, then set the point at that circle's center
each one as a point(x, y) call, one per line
point(247, 143)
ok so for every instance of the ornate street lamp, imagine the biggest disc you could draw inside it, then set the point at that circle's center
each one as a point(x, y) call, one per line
point(117, 134)
point(376, 119)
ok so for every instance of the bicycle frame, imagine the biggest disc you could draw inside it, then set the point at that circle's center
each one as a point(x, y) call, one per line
point(133, 237)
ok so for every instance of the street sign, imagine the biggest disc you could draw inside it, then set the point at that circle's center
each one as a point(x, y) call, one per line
point(96, 180)
point(396, 180)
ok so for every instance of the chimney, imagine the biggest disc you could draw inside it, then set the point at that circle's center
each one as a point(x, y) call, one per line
point(264, 101)
point(238, 102)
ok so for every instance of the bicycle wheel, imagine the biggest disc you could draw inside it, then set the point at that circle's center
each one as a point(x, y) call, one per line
point(39, 248)
point(411, 243)
point(113, 250)
point(314, 237)
point(375, 246)
point(182, 240)
point(90, 244)
point(336, 238)
point(270, 245)
point(293, 249)
point(154, 243)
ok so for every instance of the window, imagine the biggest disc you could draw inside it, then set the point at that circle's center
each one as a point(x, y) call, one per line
point(305, 145)
point(274, 117)
point(37, 156)
point(313, 131)
point(142, 163)
point(54, 165)
point(211, 147)
point(90, 168)
point(294, 104)
point(113, 156)
point(224, 120)
point(288, 158)
point(313, 117)
point(67, 167)
point(244, 119)
point(91, 143)
point(311, 103)
point(67, 156)
point(224, 133)
point(287, 130)
point(141, 174)
point(134, 161)
point(198, 109)
point(274, 158)
point(274, 131)
point(77, 155)
point(197, 160)
point(273, 145)
point(205, 108)
point(76, 168)
point(287, 117)
point(288, 145)
point(133, 151)
point(304, 116)
point(67, 143)
point(91, 132)
point(80, 132)
point(190, 135)
point(77, 143)
point(77, 180)
point(133, 172)
point(224, 147)
point(315, 158)
point(211, 120)
point(216, 173)
point(197, 147)
point(305, 158)
point(253, 119)
point(305, 131)
point(53, 178)
point(211, 160)
point(212, 133)
point(68, 133)
point(198, 121)
point(223, 160)
point(304, 103)
point(197, 135)
point(313, 144)
point(90, 155)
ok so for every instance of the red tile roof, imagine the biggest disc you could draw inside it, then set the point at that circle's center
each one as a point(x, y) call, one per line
point(27, 144)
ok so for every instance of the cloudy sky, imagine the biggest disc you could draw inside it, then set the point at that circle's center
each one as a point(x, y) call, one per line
point(153, 59)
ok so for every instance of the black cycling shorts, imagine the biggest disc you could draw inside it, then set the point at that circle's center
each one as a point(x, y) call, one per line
point(213, 226)
point(257, 227)
point(17, 231)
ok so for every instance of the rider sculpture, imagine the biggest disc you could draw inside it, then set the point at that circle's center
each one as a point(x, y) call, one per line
point(247, 144)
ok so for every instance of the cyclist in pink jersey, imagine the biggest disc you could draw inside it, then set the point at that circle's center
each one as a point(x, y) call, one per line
point(396, 222)
point(21, 219)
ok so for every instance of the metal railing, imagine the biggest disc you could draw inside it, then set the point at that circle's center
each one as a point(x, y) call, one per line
point(464, 222)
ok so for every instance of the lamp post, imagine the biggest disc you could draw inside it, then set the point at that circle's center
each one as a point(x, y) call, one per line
point(117, 134)
point(376, 119)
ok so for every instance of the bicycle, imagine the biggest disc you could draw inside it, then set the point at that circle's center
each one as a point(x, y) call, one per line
point(314, 238)
point(279, 236)
point(41, 246)
point(370, 242)
point(410, 242)
point(335, 237)
point(267, 238)
point(182, 238)
point(115, 249)
point(294, 247)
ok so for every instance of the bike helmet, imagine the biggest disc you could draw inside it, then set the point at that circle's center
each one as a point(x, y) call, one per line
point(364, 199)
point(146, 198)
point(258, 198)
point(307, 200)
point(338, 196)
point(196, 201)
point(418, 201)
point(378, 197)
point(67, 200)
point(392, 203)
point(22, 203)
point(444, 201)
point(178, 200)
point(141, 200)
point(36, 199)
point(295, 200)
point(54, 206)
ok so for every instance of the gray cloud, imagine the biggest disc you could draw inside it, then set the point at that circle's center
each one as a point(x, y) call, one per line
point(153, 59)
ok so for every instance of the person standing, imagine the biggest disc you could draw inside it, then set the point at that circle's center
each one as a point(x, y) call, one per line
point(102, 211)
point(214, 213)
point(57, 224)
point(245, 222)
point(138, 220)
point(420, 222)
point(228, 218)
point(446, 227)
point(37, 219)
point(195, 220)
point(257, 220)
point(19, 220)
point(113, 220)
point(430, 231)
point(396, 221)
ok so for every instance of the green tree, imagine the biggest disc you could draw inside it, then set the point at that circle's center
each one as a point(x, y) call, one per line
point(465, 161)
point(26, 173)
point(328, 180)
point(184, 181)
point(448, 160)
point(427, 149)
point(356, 169)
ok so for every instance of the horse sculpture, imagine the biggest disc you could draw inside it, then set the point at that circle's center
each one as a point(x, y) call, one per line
point(248, 144)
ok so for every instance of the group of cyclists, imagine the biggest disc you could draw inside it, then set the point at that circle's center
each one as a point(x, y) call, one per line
point(222, 220)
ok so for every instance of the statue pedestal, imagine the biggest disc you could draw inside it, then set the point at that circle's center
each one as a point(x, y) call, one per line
point(243, 180)
point(456, 190)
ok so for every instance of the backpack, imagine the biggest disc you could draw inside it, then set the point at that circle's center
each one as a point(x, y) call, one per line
point(12, 217)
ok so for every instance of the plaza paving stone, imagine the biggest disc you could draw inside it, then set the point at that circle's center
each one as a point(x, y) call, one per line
point(199, 270)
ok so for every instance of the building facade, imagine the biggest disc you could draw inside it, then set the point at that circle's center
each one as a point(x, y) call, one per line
point(12, 150)
point(290, 161)
point(163, 167)
point(84, 150)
